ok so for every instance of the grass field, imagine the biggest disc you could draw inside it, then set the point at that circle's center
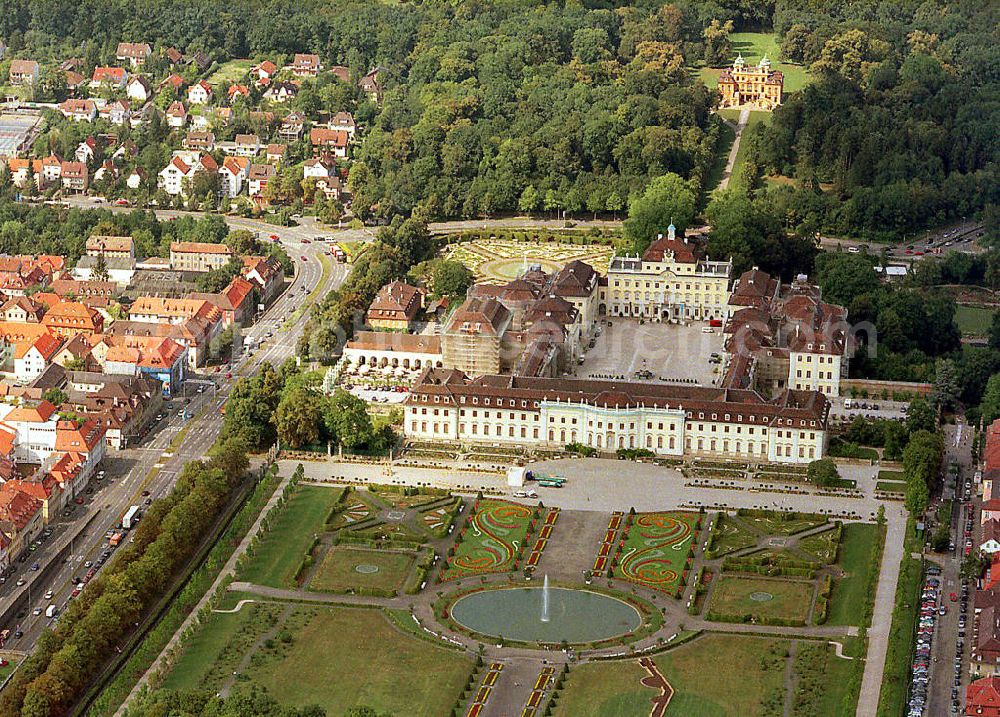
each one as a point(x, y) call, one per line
point(229, 72)
point(280, 551)
point(756, 118)
point(722, 148)
point(749, 684)
point(891, 486)
point(823, 680)
point(753, 46)
point(7, 669)
point(343, 657)
point(973, 320)
point(338, 571)
point(731, 597)
point(848, 597)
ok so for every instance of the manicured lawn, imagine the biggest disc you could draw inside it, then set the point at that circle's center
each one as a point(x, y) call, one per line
point(821, 547)
point(491, 541)
point(339, 572)
point(229, 72)
point(656, 549)
point(891, 486)
point(727, 136)
point(849, 591)
point(731, 598)
point(892, 475)
point(731, 535)
point(343, 657)
point(753, 46)
point(279, 553)
point(751, 678)
point(973, 320)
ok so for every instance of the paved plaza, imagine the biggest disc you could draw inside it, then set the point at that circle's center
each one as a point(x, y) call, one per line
point(670, 351)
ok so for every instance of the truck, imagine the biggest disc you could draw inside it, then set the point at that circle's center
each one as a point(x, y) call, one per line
point(114, 540)
point(130, 518)
point(50, 611)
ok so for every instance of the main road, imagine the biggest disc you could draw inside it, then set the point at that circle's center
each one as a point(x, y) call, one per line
point(151, 469)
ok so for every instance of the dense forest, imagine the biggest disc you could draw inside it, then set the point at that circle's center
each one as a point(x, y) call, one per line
point(494, 107)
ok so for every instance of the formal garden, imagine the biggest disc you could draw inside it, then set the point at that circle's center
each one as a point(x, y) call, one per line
point(500, 260)
point(492, 540)
point(655, 549)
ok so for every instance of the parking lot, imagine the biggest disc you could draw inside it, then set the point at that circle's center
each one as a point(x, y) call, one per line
point(845, 408)
point(668, 352)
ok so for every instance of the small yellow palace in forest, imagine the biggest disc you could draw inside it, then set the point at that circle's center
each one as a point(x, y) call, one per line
point(744, 84)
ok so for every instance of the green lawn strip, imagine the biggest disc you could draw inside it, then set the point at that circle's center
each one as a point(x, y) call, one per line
point(108, 701)
point(731, 600)
point(895, 677)
point(848, 597)
point(343, 657)
point(727, 135)
point(279, 552)
point(229, 72)
point(973, 320)
point(756, 118)
point(338, 572)
point(749, 684)
point(891, 486)
point(822, 681)
point(886, 475)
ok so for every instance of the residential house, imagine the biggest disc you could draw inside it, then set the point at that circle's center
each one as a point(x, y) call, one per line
point(113, 77)
point(266, 273)
point(236, 90)
point(74, 81)
point(199, 256)
point(232, 174)
point(135, 178)
point(200, 93)
point(194, 333)
point(341, 72)
point(75, 176)
point(265, 71)
point(174, 81)
point(275, 153)
point(86, 150)
point(258, 176)
point(982, 698)
point(281, 92)
point(23, 171)
point(304, 65)
point(177, 115)
point(174, 56)
point(247, 145)
point(317, 168)
point(344, 122)
point(989, 542)
point(172, 177)
point(68, 318)
point(120, 269)
point(372, 85)
point(117, 112)
point(394, 307)
point(200, 141)
point(51, 169)
point(108, 170)
point(31, 357)
point(139, 89)
point(23, 72)
point(162, 359)
point(292, 127)
point(22, 310)
point(74, 353)
point(110, 246)
point(135, 53)
point(21, 521)
point(332, 187)
point(79, 110)
point(328, 142)
point(235, 302)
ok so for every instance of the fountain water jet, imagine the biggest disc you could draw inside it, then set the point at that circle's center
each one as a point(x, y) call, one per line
point(545, 599)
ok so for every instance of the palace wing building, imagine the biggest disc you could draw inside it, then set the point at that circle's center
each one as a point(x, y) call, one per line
point(670, 420)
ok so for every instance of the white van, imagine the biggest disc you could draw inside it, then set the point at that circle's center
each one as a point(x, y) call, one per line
point(50, 611)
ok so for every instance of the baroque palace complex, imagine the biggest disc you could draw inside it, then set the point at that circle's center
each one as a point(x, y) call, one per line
point(756, 86)
point(499, 367)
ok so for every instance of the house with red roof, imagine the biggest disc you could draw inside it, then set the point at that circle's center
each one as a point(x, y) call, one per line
point(20, 521)
point(177, 115)
point(982, 698)
point(236, 301)
point(200, 93)
point(329, 142)
point(31, 357)
point(265, 70)
point(266, 273)
point(114, 77)
point(161, 358)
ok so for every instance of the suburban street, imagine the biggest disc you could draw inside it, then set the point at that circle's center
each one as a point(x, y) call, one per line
point(153, 466)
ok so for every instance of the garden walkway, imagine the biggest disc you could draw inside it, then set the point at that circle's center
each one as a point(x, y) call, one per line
point(727, 173)
point(228, 570)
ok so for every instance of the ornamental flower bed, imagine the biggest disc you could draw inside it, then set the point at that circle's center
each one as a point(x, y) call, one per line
point(655, 550)
point(492, 540)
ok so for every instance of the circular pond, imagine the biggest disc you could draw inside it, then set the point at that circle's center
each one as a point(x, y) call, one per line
point(573, 615)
